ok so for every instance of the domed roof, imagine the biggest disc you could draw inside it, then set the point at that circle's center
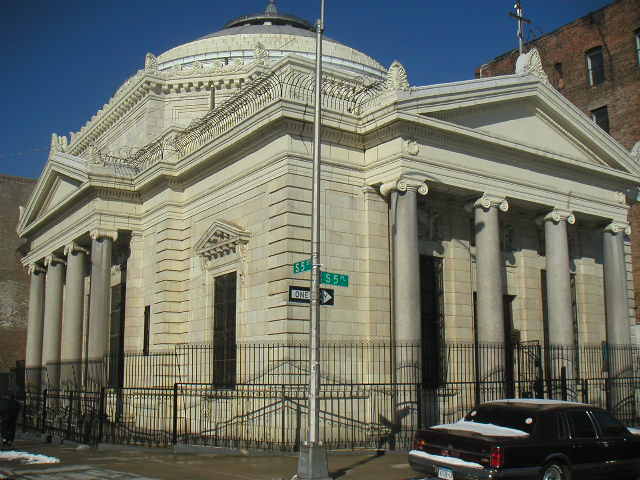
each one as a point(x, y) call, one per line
point(274, 35)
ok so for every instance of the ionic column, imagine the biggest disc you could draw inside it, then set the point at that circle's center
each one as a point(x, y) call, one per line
point(35, 326)
point(489, 288)
point(615, 281)
point(71, 354)
point(559, 310)
point(53, 319)
point(99, 308)
point(489, 265)
point(619, 354)
point(406, 257)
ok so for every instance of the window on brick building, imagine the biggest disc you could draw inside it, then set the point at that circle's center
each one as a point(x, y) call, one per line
point(595, 66)
point(638, 46)
point(600, 117)
point(557, 67)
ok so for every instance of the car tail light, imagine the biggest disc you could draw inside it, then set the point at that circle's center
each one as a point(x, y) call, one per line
point(419, 443)
point(496, 459)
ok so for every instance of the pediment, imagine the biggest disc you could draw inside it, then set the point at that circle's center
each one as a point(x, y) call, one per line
point(523, 113)
point(221, 239)
point(526, 124)
point(63, 178)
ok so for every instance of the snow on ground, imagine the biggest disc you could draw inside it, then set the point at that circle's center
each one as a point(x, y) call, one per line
point(26, 457)
point(482, 428)
point(446, 460)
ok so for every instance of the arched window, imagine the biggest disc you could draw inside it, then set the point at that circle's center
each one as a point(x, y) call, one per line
point(595, 66)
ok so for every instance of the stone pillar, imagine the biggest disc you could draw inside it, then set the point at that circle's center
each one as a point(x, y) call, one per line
point(35, 327)
point(99, 307)
point(71, 354)
point(53, 319)
point(489, 288)
point(620, 361)
point(559, 310)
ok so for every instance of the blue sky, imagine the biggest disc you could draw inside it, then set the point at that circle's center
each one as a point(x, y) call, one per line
point(61, 61)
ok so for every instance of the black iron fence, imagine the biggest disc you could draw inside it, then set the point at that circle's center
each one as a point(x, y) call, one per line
point(372, 395)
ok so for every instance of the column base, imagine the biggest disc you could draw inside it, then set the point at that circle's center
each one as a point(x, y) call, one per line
point(312, 463)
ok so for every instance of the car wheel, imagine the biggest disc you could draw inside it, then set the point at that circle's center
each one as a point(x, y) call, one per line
point(555, 471)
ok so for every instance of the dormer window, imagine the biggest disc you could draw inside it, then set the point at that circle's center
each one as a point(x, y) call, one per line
point(595, 66)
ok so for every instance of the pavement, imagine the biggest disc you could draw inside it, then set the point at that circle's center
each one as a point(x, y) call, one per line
point(116, 462)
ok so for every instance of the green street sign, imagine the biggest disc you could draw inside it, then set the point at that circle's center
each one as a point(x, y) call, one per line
point(337, 279)
point(302, 266)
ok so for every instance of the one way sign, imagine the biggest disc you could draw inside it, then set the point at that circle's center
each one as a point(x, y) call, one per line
point(303, 295)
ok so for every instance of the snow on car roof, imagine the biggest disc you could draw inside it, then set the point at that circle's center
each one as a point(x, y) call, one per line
point(488, 429)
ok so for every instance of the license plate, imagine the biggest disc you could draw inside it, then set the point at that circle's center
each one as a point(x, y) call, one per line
point(445, 473)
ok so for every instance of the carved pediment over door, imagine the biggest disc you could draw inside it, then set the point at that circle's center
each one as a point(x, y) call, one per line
point(221, 239)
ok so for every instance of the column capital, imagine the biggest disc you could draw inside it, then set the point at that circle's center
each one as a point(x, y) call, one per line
point(403, 184)
point(104, 233)
point(618, 227)
point(35, 268)
point(486, 201)
point(53, 259)
point(74, 247)
point(556, 216)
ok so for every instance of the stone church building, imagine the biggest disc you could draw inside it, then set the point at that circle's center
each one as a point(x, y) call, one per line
point(488, 212)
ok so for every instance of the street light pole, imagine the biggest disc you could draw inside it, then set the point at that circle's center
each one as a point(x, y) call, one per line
point(312, 463)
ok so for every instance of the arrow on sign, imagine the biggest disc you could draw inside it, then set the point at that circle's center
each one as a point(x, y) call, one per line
point(325, 297)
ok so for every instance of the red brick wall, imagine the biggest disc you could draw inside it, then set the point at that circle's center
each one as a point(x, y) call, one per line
point(14, 282)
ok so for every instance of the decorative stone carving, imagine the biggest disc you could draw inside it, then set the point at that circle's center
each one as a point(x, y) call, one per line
point(413, 148)
point(260, 54)
point(635, 151)
point(558, 215)
point(221, 239)
point(486, 201)
point(397, 78)
point(53, 259)
point(150, 63)
point(531, 63)
point(35, 268)
point(618, 227)
point(402, 185)
point(97, 233)
point(74, 247)
point(58, 143)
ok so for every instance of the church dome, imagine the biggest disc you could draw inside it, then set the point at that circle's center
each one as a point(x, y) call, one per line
point(272, 34)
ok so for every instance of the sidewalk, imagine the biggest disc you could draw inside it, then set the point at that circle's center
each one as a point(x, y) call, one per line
point(78, 462)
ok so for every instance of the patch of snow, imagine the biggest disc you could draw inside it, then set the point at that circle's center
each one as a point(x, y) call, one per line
point(446, 460)
point(26, 457)
point(635, 431)
point(482, 428)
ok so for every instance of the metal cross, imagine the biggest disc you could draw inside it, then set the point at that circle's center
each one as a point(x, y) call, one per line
point(521, 21)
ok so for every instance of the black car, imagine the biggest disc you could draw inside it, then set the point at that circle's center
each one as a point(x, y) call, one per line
point(529, 439)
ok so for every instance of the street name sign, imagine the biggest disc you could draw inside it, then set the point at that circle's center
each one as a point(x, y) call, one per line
point(302, 266)
point(303, 295)
point(337, 279)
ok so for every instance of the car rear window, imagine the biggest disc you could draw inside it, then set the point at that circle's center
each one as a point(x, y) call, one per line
point(504, 416)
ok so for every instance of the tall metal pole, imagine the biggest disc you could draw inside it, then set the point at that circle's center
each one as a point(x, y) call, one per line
point(519, 13)
point(312, 463)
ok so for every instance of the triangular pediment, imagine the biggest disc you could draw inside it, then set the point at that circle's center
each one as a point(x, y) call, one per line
point(63, 178)
point(525, 113)
point(221, 238)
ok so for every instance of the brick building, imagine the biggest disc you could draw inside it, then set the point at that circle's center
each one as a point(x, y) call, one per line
point(594, 62)
point(14, 281)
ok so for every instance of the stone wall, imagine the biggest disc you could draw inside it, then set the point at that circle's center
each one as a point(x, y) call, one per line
point(14, 281)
